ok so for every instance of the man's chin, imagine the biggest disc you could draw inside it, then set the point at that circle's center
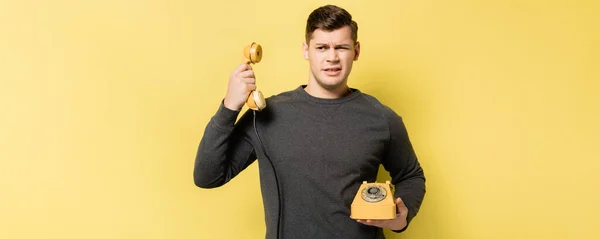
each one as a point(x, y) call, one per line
point(332, 85)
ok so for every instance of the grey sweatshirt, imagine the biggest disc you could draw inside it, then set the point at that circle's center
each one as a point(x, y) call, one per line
point(322, 150)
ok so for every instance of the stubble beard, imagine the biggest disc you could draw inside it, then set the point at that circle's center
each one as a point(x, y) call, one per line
point(328, 87)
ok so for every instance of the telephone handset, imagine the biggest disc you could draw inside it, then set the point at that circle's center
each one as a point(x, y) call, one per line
point(373, 201)
point(253, 54)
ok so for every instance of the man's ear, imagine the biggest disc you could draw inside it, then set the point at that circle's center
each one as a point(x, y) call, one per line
point(356, 51)
point(305, 50)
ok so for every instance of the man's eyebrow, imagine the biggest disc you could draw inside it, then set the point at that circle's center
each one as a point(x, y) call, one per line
point(337, 45)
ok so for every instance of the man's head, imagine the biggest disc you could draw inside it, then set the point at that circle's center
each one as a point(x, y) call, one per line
point(329, 18)
point(331, 47)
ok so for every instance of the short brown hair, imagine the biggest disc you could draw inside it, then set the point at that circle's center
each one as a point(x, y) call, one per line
point(329, 18)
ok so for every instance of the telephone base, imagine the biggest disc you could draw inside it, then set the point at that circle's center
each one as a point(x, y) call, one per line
point(373, 201)
point(380, 212)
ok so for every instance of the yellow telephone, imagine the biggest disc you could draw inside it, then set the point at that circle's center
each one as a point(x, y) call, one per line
point(252, 55)
point(373, 201)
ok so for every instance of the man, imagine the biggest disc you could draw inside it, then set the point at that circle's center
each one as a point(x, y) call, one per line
point(318, 143)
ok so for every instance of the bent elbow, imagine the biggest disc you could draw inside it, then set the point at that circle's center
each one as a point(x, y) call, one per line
point(203, 182)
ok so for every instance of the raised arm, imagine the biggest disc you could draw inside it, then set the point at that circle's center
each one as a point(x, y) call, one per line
point(225, 149)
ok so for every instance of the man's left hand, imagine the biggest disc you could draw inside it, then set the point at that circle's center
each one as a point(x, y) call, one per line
point(395, 224)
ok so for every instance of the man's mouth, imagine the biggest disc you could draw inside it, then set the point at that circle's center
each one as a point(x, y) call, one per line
point(332, 71)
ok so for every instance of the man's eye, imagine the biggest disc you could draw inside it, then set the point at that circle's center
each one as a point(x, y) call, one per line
point(320, 48)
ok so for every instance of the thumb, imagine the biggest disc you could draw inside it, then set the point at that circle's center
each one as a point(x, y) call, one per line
point(400, 205)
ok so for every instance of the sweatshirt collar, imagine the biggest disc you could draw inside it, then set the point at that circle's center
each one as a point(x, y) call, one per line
point(353, 94)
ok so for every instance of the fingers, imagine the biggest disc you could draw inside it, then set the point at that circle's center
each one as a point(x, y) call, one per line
point(247, 77)
point(241, 83)
point(393, 224)
point(244, 74)
point(397, 223)
point(242, 67)
point(243, 71)
point(376, 223)
point(250, 87)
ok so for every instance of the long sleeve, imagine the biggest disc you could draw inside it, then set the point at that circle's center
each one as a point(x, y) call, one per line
point(404, 168)
point(224, 149)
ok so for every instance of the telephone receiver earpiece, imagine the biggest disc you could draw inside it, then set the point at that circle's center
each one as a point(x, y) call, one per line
point(252, 55)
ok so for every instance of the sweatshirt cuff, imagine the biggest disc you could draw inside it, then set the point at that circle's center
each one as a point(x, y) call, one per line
point(401, 230)
point(225, 117)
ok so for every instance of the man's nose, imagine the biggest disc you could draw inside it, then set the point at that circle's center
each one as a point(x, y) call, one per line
point(332, 55)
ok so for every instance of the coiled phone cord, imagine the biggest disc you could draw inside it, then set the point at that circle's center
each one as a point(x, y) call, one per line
point(279, 199)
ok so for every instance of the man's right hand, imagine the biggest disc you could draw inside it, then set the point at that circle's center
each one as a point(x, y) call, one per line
point(241, 83)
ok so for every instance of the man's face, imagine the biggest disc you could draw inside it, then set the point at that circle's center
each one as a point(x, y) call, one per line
point(331, 55)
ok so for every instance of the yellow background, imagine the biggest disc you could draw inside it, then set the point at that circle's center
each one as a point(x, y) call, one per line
point(103, 104)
